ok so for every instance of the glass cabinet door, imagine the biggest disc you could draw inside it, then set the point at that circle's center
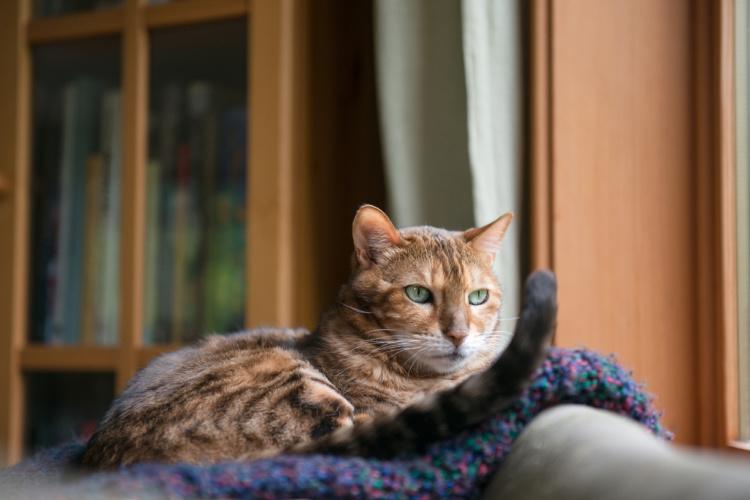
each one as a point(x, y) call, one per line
point(75, 150)
point(196, 178)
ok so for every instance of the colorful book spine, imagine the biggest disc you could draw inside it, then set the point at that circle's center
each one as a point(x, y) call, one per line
point(225, 290)
point(92, 268)
point(108, 283)
point(153, 247)
point(80, 113)
point(180, 221)
point(169, 119)
point(195, 216)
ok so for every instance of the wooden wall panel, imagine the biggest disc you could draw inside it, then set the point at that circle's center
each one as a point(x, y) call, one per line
point(624, 218)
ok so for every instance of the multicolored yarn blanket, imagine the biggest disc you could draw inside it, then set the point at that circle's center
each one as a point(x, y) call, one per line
point(458, 467)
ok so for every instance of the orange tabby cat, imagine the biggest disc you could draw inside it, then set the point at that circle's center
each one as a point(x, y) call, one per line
point(417, 324)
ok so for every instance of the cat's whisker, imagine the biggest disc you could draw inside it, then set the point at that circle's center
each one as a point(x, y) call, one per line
point(398, 341)
point(391, 347)
point(499, 335)
point(355, 309)
point(381, 330)
point(415, 359)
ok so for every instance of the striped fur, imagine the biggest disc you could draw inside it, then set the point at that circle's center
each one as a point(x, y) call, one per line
point(380, 374)
point(446, 413)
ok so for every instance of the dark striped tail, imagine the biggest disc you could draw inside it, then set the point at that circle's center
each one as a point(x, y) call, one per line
point(485, 394)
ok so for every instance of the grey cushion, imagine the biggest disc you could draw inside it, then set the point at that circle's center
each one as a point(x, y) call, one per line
point(577, 452)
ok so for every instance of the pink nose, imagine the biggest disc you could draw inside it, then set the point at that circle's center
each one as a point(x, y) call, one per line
point(457, 336)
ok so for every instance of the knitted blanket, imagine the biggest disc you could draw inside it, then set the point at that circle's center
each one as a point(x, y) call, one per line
point(458, 467)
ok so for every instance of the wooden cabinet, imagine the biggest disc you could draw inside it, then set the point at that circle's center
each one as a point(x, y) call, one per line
point(232, 161)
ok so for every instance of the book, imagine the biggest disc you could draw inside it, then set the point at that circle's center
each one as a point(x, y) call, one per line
point(79, 134)
point(164, 144)
point(195, 216)
point(45, 211)
point(225, 273)
point(202, 136)
point(108, 284)
point(153, 246)
point(183, 222)
point(92, 268)
point(100, 284)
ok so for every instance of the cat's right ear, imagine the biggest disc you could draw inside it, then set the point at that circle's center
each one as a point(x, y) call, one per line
point(373, 234)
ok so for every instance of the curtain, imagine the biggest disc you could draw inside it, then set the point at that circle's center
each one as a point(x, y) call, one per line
point(449, 95)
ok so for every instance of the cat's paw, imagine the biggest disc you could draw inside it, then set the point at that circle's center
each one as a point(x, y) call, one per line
point(324, 408)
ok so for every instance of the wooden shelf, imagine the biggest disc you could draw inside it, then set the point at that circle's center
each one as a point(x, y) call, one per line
point(193, 11)
point(112, 21)
point(68, 358)
point(72, 26)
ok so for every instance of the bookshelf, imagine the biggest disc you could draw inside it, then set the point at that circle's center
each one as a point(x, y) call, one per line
point(115, 70)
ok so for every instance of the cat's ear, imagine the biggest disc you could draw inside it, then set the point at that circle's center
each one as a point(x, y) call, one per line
point(373, 233)
point(487, 238)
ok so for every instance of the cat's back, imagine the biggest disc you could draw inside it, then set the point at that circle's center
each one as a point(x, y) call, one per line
point(215, 353)
point(186, 405)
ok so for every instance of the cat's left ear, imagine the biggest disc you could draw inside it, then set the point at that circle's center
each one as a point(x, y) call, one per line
point(374, 234)
point(487, 238)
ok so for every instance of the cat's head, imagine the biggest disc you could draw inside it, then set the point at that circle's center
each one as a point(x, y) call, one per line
point(431, 292)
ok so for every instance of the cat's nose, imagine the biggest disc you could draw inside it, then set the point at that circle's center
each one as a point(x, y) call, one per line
point(457, 336)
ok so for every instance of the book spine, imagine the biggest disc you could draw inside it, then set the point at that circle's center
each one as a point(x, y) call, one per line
point(228, 256)
point(202, 133)
point(67, 179)
point(168, 137)
point(153, 231)
point(109, 276)
point(92, 250)
point(80, 101)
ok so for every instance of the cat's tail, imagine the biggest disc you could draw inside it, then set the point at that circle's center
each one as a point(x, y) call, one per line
point(446, 413)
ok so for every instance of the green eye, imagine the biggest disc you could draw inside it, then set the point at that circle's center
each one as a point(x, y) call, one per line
point(478, 297)
point(418, 294)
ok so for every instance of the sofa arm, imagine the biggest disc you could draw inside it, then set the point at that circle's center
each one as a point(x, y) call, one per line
point(578, 452)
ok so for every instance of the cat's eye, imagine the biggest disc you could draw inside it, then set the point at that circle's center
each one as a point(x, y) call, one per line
point(479, 297)
point(418, 294)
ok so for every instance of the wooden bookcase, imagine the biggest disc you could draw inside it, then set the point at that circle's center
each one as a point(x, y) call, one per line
point(276, 163)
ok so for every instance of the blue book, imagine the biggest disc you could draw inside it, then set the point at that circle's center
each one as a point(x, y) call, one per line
point(81, 100)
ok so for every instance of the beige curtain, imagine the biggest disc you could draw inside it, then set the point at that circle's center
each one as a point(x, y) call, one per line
point(449, 89)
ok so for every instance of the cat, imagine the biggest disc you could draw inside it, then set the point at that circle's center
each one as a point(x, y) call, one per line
point(410, 353)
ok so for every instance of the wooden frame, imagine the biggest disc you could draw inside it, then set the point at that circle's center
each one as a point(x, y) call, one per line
point(73, 26)
point(710, 46)
point(614, 195)
point(191, 11)
point(709, 234)
point(541, 135)
point(717, 224)
point(726, 353)
point(14, 156)
point(276, 71)
point(270, 191)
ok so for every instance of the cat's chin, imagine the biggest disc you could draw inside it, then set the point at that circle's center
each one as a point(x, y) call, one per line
point(445, 363)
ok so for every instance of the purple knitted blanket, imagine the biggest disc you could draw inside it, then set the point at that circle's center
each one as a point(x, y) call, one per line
point(458, 467)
